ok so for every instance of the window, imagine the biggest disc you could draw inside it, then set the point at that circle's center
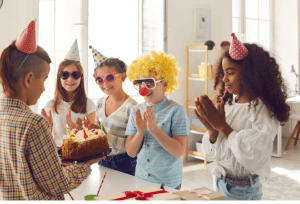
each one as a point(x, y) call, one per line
point(116, 28)
point(252, 21)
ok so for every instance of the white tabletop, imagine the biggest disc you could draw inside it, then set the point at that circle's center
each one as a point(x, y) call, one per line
point(115, 182)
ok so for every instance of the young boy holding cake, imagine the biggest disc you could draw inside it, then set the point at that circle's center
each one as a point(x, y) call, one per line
point(157, 129)
point(30, 166)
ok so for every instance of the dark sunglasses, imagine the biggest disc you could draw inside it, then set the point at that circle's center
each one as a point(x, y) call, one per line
point(65, 75)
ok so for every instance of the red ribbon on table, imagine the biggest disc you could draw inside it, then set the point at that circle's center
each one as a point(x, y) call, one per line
point(139, 195)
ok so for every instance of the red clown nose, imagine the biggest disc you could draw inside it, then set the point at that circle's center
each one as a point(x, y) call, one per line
point(143, 91)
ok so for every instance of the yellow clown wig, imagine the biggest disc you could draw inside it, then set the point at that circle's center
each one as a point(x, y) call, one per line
point(164, 66)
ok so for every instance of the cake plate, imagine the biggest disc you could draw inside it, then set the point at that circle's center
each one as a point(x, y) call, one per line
point(83, 159)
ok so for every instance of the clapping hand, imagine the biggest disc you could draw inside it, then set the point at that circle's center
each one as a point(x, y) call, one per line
point(69, 121)
point(150, 119)
point(212, 117)
point(140, 121)
point(48, 116)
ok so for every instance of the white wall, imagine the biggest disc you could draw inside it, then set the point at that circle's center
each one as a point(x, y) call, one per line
point(9, 21)
point(181, 33)
point(286, 43)
point(286, 47)
point(15, 15)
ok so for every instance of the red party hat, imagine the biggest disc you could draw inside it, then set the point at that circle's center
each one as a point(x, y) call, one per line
point(27, 41)
point(237, 49)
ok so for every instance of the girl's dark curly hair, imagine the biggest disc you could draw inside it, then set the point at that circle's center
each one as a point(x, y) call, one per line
point(261, 77)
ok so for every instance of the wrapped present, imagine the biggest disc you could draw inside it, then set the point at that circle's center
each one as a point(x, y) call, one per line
point(148, 193)
point(200, 194)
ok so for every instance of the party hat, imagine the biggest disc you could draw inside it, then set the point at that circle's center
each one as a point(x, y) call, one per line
point(27, 41)
point(73, 53)
point(237, 49)
point(98, 57)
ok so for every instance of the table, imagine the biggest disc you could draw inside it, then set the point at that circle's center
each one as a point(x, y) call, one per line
point(115, 182)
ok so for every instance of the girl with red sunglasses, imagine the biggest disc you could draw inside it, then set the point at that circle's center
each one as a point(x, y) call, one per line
point(70, 100)
point(113, 111)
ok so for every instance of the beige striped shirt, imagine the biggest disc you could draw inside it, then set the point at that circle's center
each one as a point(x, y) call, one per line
point(115, 124)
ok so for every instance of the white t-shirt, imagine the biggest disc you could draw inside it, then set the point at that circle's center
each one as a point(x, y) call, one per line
point(248, 149)
point(59, 120)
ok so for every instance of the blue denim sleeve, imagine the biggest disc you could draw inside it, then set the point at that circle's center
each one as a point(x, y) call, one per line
point(180, 122)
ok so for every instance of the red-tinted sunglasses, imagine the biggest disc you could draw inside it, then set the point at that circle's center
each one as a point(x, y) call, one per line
point(65, 75)
point(111, 77)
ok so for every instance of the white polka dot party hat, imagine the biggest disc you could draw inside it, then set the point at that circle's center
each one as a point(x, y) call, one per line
point(237, 50)
point(27, 41)
point(73, 53)
point(98, 57)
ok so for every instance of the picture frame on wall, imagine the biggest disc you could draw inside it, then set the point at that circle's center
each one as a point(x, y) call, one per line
point(202, 23)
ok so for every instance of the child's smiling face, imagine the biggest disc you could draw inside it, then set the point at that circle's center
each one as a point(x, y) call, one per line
point(158, 94)
point(70, 84)
point(110, 88)
point(231, 77)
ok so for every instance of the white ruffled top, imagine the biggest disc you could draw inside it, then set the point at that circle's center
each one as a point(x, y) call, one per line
point(248, 149)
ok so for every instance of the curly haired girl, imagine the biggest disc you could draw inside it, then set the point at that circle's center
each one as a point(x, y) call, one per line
point(241, 129)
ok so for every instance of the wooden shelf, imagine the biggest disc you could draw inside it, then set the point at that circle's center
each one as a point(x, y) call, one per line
point(191, 104)
point(197, 155)
point(197, 128)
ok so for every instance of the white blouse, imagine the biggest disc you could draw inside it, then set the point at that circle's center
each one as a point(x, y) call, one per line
point(249, 146)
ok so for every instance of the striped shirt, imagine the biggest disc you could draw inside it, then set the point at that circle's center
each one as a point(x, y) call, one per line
point(30, 166)
point(154, 163)
point(115, 124)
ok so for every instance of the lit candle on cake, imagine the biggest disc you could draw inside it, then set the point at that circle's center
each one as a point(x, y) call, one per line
point(83, 124)
point(101, 127)
point(68, 131)
point(87, 123)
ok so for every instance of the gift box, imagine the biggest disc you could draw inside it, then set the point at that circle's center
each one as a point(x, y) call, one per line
point(148, 193)
point(200, 194)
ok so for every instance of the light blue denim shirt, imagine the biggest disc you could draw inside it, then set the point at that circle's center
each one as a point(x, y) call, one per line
point(154, 163)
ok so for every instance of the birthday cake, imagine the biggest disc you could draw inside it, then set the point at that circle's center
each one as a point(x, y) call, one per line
point(83, 143)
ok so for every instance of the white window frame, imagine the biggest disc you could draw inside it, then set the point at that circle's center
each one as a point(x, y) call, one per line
point(84, 34)
point(242, 31)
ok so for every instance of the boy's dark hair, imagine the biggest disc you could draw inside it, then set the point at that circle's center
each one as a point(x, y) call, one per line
point(113, 62)
point(261, 77)
point(10, 61)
